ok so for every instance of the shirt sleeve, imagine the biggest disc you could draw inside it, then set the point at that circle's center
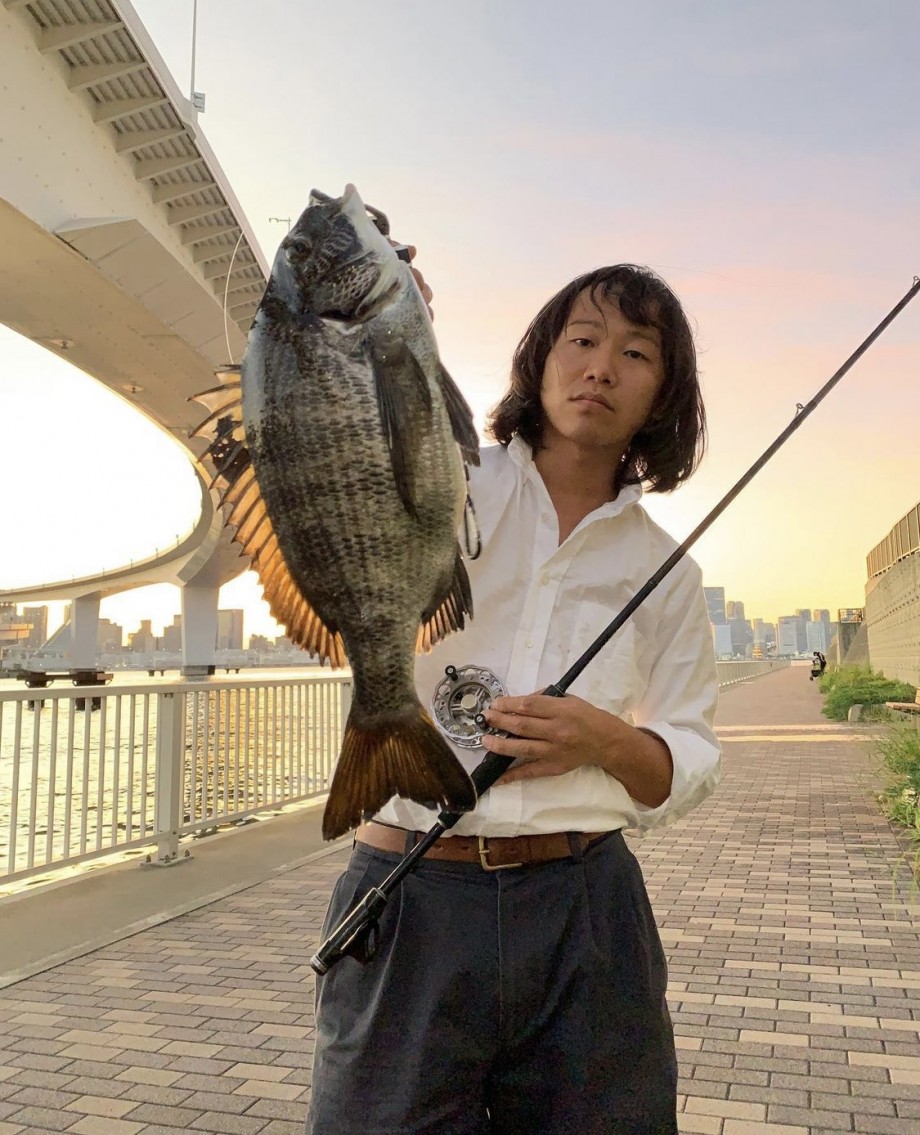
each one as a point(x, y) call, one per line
point(679, 702)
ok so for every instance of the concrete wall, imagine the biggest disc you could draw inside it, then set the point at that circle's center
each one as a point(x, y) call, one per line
point(893, 620)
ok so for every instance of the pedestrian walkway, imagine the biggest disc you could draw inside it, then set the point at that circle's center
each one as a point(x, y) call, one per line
point(795, 969)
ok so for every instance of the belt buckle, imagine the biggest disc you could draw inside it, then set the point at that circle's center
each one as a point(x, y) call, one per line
point(484, 858)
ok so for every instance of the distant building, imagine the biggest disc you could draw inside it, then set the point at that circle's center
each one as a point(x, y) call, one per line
point(37, 617)
point(230, 630)
point(734, 610)
point(722, 640)
point(110, 636)
point(172, 636)
point(787, 631)
point(143, 640)
point(715, 602)
point(261, 643)
point(816, 637)
point(13, 627)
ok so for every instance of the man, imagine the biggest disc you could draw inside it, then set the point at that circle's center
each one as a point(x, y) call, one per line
point(519, 981)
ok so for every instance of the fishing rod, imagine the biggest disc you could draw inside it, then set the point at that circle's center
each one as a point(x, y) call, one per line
point(356, 933)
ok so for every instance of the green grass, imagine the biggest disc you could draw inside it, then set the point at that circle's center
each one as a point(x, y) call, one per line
point(860, 685)
point(899, 749)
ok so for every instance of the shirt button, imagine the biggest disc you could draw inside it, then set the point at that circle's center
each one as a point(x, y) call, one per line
point(529, 643)
point(544, 580)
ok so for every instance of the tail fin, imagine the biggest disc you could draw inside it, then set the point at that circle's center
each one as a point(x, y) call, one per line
point(404, 756)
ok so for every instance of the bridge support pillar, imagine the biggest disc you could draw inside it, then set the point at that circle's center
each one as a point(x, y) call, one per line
point(84, 626)
point(199, 630)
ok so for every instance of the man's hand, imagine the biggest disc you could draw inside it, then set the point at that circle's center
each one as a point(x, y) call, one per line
point(427, 294)
point(553, 736)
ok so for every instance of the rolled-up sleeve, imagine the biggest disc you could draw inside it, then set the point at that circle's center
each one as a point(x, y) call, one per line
point(680, 699)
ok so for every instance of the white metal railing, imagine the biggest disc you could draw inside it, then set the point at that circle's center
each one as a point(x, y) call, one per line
point(740, 671)
point(91, 770)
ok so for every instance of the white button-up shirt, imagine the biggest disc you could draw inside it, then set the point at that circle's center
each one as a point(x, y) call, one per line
point(538, 605)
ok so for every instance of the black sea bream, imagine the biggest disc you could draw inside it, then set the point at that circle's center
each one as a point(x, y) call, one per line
point(347, 487)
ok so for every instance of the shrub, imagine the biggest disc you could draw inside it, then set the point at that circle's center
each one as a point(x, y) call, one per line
point(859, 685)
point(900, 799)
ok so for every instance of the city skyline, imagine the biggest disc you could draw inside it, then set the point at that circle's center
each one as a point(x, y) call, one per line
point(743, 164)
point(55, 616)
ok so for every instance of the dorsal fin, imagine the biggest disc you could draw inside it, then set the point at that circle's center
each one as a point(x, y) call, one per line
point(461, 417)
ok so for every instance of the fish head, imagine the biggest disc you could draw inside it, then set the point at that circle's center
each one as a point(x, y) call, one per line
point(335, 262)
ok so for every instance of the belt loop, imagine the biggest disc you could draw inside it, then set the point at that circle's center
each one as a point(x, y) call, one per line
point(411, 841)
point(576, 845)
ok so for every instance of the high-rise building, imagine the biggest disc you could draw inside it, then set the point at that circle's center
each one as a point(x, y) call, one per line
point(13, 627)
point(230, 629)
point(722, 640)
point(715, 602)
point(172, 636)
point(788, 634)
point(38, 618)
point(109, 636)
point(143, 641)
point(734, 609)
point(816, 637)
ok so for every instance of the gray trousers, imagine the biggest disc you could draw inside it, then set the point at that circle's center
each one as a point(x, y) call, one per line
point(527, 1001)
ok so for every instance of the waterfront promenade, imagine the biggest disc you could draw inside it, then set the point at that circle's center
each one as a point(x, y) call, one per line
point(795, 966)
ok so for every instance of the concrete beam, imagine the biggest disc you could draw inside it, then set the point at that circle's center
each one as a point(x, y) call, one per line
point(237, 310)
point(169, 191)
point(183, 215)
point(89, 74)
point(154, 167)
point(246, 285)
point(211, 252)
point(55, 39)
point(196, 236)
point(131, 140)
point(124, 108)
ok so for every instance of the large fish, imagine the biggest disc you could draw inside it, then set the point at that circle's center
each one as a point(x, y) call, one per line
point(347, 487)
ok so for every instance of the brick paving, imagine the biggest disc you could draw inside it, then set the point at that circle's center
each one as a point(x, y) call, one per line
point(795, 969)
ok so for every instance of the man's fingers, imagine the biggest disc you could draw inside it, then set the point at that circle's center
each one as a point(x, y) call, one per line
point(531, 705)
point(536, 728)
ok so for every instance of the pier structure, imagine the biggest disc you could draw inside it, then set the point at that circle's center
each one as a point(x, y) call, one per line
point(127, 254)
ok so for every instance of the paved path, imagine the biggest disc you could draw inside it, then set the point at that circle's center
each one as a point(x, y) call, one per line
point(795, 969)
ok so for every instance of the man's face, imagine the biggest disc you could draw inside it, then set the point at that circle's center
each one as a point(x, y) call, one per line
point(601, 378)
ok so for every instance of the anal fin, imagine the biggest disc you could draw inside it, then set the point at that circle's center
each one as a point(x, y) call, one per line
point(452, 603)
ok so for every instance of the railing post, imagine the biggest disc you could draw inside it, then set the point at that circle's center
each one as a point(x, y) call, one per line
point(167, 813)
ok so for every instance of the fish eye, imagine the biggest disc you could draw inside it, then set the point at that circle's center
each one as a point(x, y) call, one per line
point(297, 248)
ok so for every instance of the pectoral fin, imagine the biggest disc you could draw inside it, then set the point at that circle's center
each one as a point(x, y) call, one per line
point(403, 398)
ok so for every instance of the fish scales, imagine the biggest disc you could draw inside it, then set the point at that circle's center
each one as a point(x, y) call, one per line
point(358, 437)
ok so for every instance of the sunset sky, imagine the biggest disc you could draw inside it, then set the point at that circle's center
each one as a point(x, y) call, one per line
point(763, 157)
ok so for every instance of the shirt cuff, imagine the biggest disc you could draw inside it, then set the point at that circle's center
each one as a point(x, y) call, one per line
point(697, 770)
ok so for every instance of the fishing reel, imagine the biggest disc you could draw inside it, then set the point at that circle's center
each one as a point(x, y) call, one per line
point(459, 701)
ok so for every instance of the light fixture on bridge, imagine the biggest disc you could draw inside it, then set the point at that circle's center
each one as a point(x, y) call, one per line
point(61, 343)
point(131, 387)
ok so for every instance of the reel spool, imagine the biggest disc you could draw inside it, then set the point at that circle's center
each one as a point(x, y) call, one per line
point(461, 696)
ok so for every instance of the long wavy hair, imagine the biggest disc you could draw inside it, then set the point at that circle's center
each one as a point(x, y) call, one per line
point(669, 446)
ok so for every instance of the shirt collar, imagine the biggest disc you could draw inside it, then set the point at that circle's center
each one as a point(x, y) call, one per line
point(522, 456)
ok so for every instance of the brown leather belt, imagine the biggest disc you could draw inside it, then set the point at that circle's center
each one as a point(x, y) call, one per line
point(492, 853)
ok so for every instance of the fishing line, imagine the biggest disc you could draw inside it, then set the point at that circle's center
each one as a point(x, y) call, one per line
point(226, 293)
